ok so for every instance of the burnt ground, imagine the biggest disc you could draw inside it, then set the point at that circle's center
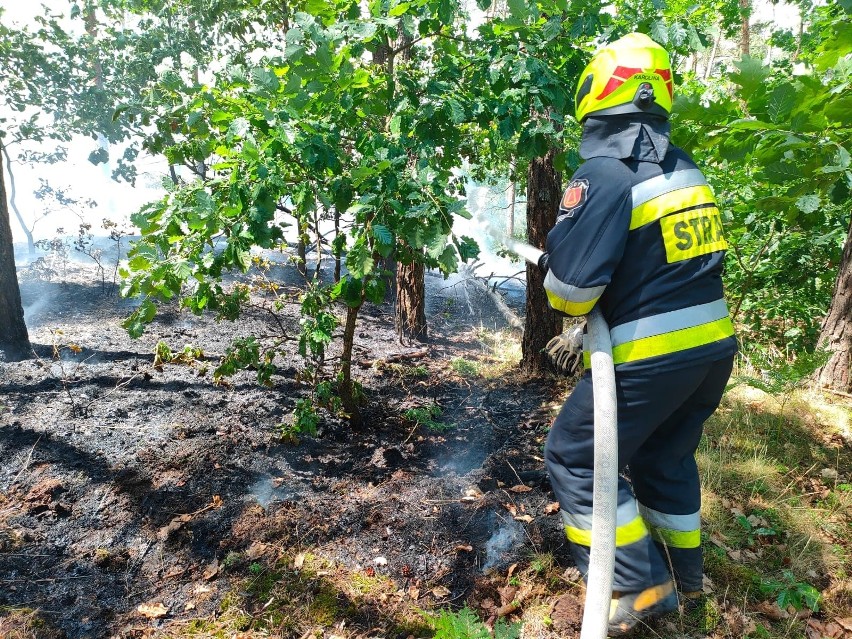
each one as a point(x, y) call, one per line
point(123, 485)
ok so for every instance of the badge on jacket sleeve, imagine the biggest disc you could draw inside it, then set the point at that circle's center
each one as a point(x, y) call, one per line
point(575, 196)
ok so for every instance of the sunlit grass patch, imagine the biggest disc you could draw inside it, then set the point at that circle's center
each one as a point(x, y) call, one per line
point(501, 353)
point(775, 508)
point(25, 623)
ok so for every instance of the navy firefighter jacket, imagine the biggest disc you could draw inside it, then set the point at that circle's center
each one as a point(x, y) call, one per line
point(640, 235)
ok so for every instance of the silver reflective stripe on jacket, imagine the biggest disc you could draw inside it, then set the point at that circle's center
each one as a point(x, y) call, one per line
point(656, 186)
point(669, 322)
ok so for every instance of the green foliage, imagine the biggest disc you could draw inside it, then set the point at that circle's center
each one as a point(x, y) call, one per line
point(305, 420)
point(779, 378)
point(245, 353)
point(464, 367)
point(775, 144)
point(427, 416)
point(789, 591)
point(464, 624)
point(187, 356)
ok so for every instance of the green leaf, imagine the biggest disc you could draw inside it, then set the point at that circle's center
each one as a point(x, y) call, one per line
point(99, 156)
point(399, 9)
point(781, 172)
point(519, 9)
point(468, 248)
point(382, 234)
point(840, 110)
point(781, 102)
point(660, 32)
point(751, 76)
point(808, 203)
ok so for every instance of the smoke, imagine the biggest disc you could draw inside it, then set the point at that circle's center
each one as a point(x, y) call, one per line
point(507, 534)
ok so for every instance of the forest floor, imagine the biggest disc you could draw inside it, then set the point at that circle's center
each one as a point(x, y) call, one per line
point(146, 501)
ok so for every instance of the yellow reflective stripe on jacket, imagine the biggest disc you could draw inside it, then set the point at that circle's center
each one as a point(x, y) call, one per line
point(570, 308)
point(671, 202)
point(673, 342)
point(676, 538)
point(668, 332)
point(625, 535)
point(570, 299)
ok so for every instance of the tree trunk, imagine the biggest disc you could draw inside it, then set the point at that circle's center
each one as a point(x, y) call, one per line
point(337, 260)
point(12, 193)
point(411, 302)
point(510, 223)
point(14, 339)
point(542, 323)
point(745, 37)
point(346, 389)
point(836, 332)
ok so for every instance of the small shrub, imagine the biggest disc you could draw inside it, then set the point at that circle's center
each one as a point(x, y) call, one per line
point(789, 591)
point(465, 367)
point(426, 416)
point(464, 624)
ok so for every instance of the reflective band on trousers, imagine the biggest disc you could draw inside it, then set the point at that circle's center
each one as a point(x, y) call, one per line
point(677, 531)
point(630, 527)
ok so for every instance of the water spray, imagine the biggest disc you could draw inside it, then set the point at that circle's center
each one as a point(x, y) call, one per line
point(605, 487)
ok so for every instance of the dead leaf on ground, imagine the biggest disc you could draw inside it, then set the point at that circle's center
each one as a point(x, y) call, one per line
point(299, 561)
point(440, 592)
point(173, 526)
point(201, 589)
point(846, 622)
point(256, 550)
point(520, 488)
point(817, 629)
point(524, 518)
point(414, 593)
point(217, 502)
point(211, 571)
point(511, 571)
point(772, 610)
point(152, 610)
point(464, 548)
point(511, 508)
point(552, 507)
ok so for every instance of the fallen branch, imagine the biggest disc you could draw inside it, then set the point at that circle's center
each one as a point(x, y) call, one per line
point(510, 316)
point(392, 359)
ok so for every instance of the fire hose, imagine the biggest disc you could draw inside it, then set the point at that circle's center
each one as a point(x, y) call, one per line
point(605, 487)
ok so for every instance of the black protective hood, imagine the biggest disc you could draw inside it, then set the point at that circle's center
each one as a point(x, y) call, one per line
point(639, 136)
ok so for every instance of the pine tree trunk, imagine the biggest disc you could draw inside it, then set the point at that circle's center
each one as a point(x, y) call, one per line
point(543, 192)
point(14, 339)
point(745, 36)
point(836, 332)
point(411, 302)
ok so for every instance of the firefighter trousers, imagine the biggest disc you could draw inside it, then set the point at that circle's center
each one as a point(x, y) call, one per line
point(660, 421)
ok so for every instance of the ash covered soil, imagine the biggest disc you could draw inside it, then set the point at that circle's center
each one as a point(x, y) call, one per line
point(136, 498)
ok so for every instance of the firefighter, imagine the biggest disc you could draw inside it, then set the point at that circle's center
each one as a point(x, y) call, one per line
point(640, 236)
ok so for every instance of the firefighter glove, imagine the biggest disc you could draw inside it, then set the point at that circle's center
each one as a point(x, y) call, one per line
point(566, 350)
